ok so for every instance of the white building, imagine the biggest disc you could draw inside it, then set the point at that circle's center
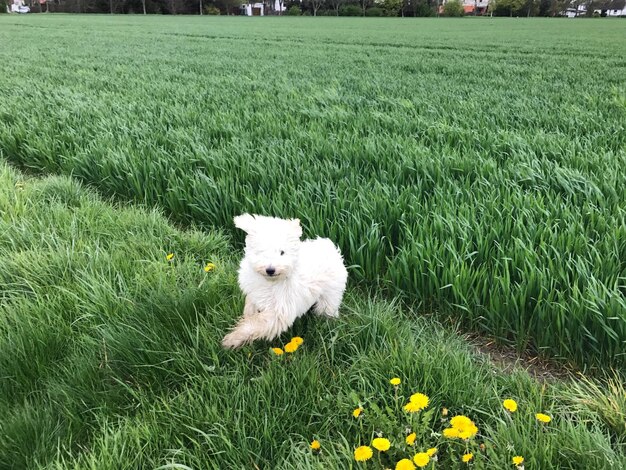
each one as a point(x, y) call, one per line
point(606, 8)
point(613, 8)
point(470, 7)
point(475, 7)
point(258, 9)
point(18, 7)
point(574, 11)
point(253, 9)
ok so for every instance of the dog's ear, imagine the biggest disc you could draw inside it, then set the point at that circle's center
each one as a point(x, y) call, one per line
point(297, 229)
point(245, 222)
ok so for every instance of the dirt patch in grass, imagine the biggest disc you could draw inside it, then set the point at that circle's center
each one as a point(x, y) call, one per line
point(506, 358)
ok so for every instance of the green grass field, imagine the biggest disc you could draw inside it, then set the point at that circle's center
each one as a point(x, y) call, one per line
point(472, 169)
point(111, 359)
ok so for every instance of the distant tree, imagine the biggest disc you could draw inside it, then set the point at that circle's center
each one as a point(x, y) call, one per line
point(545, 7)
point(453, 8)
point(551, 7)
point(226, 6)
point(316, 5)
point(531, 7)
point(374, 11)
point(336, 5)
point(415, 7)
point(351, 10)
point(557, 7)
point(364, 4)
point(405, 8)
point(392, 7)
point(426, 8)
point(508, 7)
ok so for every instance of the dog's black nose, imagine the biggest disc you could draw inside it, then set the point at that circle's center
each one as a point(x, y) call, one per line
point(270, 271)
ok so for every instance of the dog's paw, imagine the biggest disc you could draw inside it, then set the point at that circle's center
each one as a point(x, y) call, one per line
point(233, 341)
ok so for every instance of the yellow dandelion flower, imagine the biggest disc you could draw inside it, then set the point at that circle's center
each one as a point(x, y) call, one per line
point(277, 351)
point(291, 347)
point(432, 451)
point(405, 464)
point(451, 432)
point(395, 381)
point(468, 433)
point(363, 453)
point(518, 460)
point(417, 402)
point(209, 267)
point(412, 407)
point(444, 412)
point(410, 439)
point(315, 445)
point(543, 418)
point(297, 340)
point(467, 457)
point(381, 444)
point(465, 426)
point(510, 405)
point(460, 422)
point(169, 256)
point(419, 399)
point(421, 459)
point(357, 412)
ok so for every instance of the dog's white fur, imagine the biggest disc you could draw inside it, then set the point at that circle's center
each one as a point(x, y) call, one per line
point(305, 274)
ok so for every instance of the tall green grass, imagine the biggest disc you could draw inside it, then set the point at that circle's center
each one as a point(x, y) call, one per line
point(475, 167)
point(110, 358)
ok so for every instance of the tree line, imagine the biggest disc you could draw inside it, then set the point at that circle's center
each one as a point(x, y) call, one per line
point(392, 8)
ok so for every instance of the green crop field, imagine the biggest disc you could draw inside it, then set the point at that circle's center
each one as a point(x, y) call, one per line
point(472, 170)
point(476, 167)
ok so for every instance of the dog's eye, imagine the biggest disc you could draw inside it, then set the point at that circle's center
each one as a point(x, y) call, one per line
point(282, 252)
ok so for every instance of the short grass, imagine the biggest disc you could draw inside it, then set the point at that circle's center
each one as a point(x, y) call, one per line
point(110, 358)
point(474, 166)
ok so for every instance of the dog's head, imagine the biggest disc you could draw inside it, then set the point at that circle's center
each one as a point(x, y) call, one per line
point(272, 244)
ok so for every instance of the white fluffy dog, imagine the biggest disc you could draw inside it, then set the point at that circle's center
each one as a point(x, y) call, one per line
point(282, 277)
